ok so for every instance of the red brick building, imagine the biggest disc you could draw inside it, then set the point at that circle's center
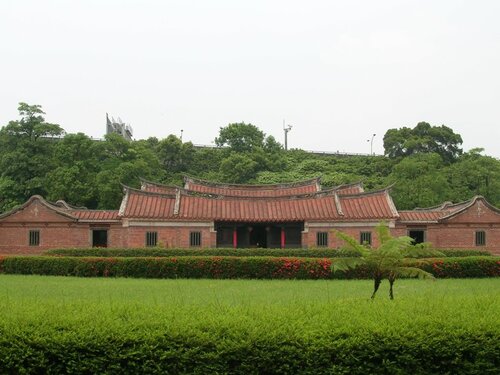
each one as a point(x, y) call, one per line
point(207, 214)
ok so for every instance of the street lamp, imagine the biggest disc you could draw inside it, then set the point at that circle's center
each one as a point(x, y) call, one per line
point(371, 144)
point(286, 129)
point(182, 131)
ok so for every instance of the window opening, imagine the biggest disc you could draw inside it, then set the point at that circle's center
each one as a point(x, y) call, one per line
point(322, 239)
point(34, 238)
point(365, 238)
point(195, 239)
point(151, 239)
point(480, 238)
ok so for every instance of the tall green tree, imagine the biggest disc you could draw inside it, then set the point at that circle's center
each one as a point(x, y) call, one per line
point(123, 162)
point(25, 155)
point(174, 155)
point(32, 124)
point(423, 138)
point(74, 175)
point(240, 137)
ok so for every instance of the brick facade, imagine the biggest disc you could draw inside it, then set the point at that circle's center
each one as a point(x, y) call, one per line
point(60, 226)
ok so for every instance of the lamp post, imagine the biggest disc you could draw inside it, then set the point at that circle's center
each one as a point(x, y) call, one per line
point(371, 144)
point(286, 129)
point(182, 131)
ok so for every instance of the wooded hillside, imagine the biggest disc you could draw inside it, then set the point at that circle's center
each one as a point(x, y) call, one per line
point(425, 164)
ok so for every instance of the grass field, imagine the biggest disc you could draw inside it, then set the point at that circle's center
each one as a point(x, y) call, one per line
point(41, 310)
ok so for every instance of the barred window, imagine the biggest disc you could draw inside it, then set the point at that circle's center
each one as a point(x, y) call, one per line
point(34, 238)
point(480, 238)
point(322, 239)
point(417, 235)
point(195, 239)
point(365, 238)
point(151, 239)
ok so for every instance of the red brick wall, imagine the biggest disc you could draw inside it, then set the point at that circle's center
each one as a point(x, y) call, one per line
point(14, 238)
point(309, 238)
point(458, 236)
point(14, 234)
point(169, 236)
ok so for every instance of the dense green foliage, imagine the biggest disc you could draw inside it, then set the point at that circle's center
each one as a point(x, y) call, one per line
point(298, 253)
point(160, 252)
point(35, 158)
point(128, 326)
point(230, 267)
point(423, 138)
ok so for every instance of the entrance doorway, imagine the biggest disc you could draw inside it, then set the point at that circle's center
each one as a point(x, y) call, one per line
point(99, 238)
point(261, 235)
point(258, 236)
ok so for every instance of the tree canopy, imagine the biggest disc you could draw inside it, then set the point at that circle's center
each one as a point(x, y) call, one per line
point(240, 137)
point(423, 138)
point(37, 157)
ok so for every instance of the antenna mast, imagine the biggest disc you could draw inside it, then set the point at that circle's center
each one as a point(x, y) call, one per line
point(286, 129)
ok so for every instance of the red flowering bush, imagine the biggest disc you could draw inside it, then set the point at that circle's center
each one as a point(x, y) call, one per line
point(218, 267)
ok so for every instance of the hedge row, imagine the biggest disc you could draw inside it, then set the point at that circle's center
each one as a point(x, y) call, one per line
point(173, 252)
point(228, 267)
point(426, 351)
point(300, 253)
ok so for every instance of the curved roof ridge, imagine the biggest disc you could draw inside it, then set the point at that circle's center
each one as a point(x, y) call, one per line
point(317, 194)
point(200, 181)
point(391, 204)
point(92, 210)
point(371, 192)
point(143, 180)
point(438, 207)
point(467, 204)
point(127, 189)
point(188, 192)
point(343, 186)
point(442, 206)
point(43, 201)
point(66, 205)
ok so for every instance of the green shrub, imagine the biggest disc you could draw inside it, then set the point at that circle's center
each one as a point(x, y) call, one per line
point(159, 252)
point(171, 267)
point(228, 267)
point(428, 351)
point(464, 267)
point(300, 253)
point(464, 252)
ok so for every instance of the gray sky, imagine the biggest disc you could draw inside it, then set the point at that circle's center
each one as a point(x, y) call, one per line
point(338, 71)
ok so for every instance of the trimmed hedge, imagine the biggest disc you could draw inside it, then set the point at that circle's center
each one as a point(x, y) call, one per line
point(300, 253)
point(228, 267)
point(159, 252)
point(426, 351)
point(464, 252)
point(464, 267)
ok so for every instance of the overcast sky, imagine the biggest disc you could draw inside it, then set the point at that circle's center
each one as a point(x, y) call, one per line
point(338, 71)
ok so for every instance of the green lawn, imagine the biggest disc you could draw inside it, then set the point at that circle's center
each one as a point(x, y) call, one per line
point(42, 310)
point(311, 304)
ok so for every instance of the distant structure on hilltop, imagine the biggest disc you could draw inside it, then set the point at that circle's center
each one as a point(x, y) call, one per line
point(118, 127)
